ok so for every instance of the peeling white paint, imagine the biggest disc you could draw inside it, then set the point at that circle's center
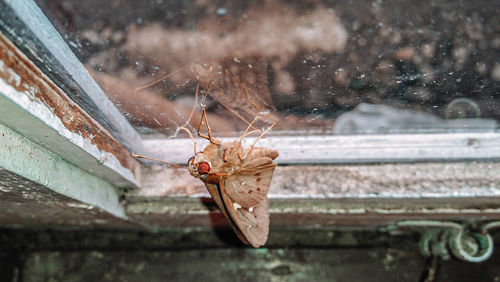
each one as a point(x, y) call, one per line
point(46, 116)
point(322, 149)
point(12, 76)
point(37, 22)
point(80, 206)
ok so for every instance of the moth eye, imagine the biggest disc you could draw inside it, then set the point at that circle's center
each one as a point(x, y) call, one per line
point(190, 161)
point(203, 168)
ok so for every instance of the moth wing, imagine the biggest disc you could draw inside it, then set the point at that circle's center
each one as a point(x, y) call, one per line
point(254, 224)
point(249, 185)
point(214, 191)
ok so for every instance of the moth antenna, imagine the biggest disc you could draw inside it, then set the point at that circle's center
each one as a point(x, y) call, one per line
point(192, 138)
point(158, 80)
point(153, 159)
point(238, 115)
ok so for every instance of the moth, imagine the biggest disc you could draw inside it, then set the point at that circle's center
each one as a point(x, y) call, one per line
point(238, 180)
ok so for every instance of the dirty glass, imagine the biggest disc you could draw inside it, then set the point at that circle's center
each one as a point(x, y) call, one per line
point(313, 67)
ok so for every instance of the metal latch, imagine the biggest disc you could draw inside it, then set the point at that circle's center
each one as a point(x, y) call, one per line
point(445, 238)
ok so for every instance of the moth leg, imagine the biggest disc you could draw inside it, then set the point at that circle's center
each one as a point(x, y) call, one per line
point(250, 148)
point(241, 157)
point(209, 130)
point(246, 133)
point(236, 114)
point(204, 121)
point(229, 151)
point(203, 115)
point(225, 106)
point(263, 133)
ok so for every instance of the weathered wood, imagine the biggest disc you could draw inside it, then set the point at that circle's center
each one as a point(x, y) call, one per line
point(376, 181)
point(34, 106)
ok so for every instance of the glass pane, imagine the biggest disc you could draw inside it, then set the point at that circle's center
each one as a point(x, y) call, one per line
point(362, 67)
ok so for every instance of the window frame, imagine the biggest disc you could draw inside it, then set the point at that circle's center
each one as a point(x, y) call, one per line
point(26, 26)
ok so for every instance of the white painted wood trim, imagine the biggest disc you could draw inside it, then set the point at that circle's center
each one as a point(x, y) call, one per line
point(356, 148)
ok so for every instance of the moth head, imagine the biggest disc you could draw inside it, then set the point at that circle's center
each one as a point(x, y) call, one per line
point(198, 166)
point(203, 168)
